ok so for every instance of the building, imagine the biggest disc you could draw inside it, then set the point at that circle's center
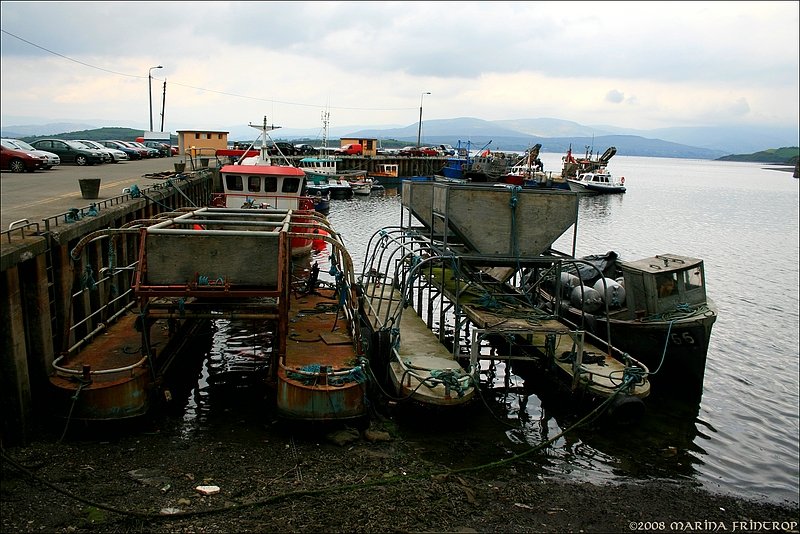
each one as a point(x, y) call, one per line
point(370, 144)
point(196, 143)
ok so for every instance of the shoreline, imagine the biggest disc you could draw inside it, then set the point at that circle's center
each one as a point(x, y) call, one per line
point(278, 478)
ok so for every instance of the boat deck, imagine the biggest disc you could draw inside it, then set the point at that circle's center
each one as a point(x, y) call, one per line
point(111, 377)
point(601, 371)
point(319, 377)
point(419, 355)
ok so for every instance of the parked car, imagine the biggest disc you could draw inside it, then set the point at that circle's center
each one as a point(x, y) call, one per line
point(164, 150)
point(305, 150)
point(19, 160)
point(151, 152)
point(70, 151)
point(103, 151)
point(417, 151)
point(16, 144)
point(287, 149)
point(133, 154)
point(446, 150)
point(115, 155)
point(352, 149)
point(143, 152)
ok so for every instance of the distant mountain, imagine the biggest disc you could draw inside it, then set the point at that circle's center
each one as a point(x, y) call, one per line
point(53, 128)
point(787, 155)
point(555, 135)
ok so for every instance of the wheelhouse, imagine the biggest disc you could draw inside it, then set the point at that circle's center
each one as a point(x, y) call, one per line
point(659, 284)
point(262, 186)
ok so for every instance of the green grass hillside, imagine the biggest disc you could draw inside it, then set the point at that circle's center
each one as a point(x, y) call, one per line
point(98, 134)
point(787, 155)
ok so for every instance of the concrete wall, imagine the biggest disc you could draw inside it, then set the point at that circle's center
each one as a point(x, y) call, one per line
point(46, 293)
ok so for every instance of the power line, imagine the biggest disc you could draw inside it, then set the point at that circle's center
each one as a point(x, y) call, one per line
point(195, 87)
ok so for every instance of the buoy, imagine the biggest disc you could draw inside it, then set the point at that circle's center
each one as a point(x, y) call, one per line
point(317, 243)
point(592, 301)
point(613, 293)
point(568, 283)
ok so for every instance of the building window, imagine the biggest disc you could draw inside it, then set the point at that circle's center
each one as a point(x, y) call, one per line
point(197, 136)
point(219, 136)
point(208, 136)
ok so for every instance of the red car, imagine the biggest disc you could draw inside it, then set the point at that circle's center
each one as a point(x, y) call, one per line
point(418, 151)
point(19, 161)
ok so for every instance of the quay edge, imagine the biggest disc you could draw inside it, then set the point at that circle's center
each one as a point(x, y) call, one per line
point(38, 278)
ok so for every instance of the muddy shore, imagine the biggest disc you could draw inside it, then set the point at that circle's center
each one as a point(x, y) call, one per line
point(273, 477)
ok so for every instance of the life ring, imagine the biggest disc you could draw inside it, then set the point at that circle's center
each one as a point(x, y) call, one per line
point(622, 180)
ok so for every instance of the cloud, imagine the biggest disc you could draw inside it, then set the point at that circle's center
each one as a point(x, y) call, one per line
point(228, 62)
point(615, 97)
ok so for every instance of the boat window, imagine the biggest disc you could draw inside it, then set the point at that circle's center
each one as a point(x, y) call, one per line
point(254, 184)
point(666, 284)
point(290, 185)
point(270, 184)
point(693, 278)
point(233, 182)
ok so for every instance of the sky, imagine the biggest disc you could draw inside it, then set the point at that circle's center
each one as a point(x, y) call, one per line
point(641, 65)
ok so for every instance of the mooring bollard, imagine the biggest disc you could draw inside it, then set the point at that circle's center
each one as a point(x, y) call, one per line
point(90, 187)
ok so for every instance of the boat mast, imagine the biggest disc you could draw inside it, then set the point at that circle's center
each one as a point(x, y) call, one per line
point(325, 118)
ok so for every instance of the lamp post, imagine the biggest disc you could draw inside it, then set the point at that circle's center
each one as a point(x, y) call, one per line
point(150, 91)
point(419, 132)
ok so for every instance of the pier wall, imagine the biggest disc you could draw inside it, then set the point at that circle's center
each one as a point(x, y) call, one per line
point(52, 303)
point(407, 166)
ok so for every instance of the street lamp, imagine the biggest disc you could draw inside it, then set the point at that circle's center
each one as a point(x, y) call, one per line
point(150, 91)
point(419, 132)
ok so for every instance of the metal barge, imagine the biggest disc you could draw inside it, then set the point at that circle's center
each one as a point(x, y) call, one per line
point(198, 265)
point(454, 273)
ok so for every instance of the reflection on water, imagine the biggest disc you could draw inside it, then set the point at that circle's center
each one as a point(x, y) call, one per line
point(740, 437)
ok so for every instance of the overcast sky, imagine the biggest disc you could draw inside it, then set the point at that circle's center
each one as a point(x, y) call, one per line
point(639, 65)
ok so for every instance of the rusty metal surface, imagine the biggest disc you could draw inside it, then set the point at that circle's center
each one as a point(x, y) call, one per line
point(116, 395)
point(320, 377)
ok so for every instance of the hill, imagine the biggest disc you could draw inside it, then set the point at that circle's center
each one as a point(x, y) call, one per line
point(787, 155)
point(97, 134)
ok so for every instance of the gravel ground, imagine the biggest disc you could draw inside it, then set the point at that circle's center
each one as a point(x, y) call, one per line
point(274, 478)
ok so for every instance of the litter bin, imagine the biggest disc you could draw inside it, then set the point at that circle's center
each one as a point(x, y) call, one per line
point(180, 166)
point(90, 187)
point(204, 162)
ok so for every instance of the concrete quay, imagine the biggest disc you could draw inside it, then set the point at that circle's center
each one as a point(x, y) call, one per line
point(50, 299)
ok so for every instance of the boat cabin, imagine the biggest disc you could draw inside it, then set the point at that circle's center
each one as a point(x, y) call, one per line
point(387, 170)
point(596, 178)
point(657, 285)
point(323, 166)
point(262, 186)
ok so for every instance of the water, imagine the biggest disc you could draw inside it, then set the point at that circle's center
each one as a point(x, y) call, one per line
point(742, 436)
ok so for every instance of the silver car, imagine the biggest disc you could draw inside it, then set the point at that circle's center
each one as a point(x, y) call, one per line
point(115, 156)
point(49, 160)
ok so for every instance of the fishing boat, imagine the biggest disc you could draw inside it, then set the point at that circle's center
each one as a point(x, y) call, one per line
point(425, 271)
point(258, 182)
point(656, 308)
point(600, 182)
point(573, 166)
point(405, 356)
point(116, 371)
point(367, 187)
point(235, 263)
point(322, 171)
point(528, 171)
point(386, 175)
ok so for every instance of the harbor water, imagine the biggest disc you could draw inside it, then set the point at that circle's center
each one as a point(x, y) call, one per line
point(740, 438)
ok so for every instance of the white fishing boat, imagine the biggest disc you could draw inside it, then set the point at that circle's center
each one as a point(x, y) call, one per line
point(322, 171)
point(600, 182)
